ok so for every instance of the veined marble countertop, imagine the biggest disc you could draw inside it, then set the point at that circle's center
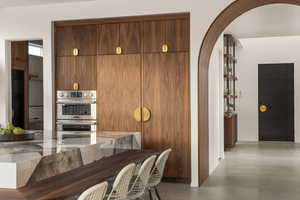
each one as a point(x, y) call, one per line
point(44, 157)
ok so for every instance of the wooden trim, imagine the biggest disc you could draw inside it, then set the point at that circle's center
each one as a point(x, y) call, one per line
point(138, 18)
point(227, 16)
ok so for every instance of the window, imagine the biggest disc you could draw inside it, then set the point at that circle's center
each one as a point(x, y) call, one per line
point(35, 50)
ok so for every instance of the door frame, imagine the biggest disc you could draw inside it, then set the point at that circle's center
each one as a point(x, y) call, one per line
point(228, 15)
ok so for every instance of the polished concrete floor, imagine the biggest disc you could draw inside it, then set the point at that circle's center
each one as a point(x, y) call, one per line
point(251, 171)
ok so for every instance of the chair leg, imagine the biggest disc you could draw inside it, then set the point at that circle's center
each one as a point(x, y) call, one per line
point(150, 194)
point(157, 193)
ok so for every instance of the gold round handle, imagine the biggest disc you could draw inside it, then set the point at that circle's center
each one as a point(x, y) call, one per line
point(137, 114)
point(146, 114)
point(263, 108)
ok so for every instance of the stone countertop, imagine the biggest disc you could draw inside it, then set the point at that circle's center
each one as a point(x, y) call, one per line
point(38, 159)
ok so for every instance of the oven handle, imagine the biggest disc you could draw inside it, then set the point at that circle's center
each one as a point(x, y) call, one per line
point(76, 102)
point(75, 123)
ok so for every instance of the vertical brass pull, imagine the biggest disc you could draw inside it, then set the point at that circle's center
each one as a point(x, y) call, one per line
point(146, 114)
point(137, 114)
point(165, 48)
point(75, 86)
point(118, 50)
point(75, 52)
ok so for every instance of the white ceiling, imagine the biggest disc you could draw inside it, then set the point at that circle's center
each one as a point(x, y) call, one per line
point(267, 21)
point(14, 3)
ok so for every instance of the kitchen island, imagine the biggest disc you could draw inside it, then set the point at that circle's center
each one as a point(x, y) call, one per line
point(29, 162)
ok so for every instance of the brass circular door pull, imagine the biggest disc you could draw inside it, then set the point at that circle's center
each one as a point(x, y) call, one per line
point(146, 114)
point(263, 108)
point(137, 114)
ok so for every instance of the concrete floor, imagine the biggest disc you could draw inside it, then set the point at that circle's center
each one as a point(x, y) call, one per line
point(251, 171)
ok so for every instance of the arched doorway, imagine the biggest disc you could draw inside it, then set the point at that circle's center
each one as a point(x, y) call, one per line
point(227, 16)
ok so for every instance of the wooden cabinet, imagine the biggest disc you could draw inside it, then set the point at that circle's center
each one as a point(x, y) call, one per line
point(166, 95)
point(230, 131)
point(82, 38)
point(76, 69)
point(19, 55)
point(126, 36)
point(140, 75)
point(173, 33)
point(119, 92)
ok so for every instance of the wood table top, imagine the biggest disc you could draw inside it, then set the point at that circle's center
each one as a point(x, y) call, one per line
point(76, 181)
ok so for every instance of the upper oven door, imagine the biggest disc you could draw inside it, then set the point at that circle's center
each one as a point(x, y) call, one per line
point(76, 111)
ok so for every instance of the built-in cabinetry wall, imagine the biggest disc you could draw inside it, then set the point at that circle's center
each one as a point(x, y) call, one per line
point(140, 69)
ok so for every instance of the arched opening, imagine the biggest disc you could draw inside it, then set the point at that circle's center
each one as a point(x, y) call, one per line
point(227, 16)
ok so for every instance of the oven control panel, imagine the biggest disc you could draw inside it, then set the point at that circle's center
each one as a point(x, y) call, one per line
point(91, 94)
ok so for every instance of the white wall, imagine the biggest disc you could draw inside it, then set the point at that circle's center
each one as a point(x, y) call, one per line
point(263, 51)
point(35, 23)
point(216, 105)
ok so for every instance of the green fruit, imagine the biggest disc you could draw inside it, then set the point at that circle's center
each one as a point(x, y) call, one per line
point(10, 126)
point(18, 131)
point(7, 131)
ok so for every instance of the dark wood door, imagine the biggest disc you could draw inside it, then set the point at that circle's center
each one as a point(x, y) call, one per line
point(65, 72)
point(177, 35)
point(86, 72)
point(20, 65)
point(81, 37)
point(154, 36)
point(119, 92)
point(166, 95)
point(130, 37)
point(276, 93)
point(108, 38)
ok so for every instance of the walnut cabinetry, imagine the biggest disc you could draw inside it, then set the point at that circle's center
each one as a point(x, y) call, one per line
point(166, 95)
point(76, 69)
point(171, 33)
point(140, 69)
point(119, 92)
point(70, 38)
point(125, 36)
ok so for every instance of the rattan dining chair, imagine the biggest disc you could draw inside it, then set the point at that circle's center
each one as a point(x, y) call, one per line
point(96, 192)
point(158, 172)
point(140, 182)
point(120, 186)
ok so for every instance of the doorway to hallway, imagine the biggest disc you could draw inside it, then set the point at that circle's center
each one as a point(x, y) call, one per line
point(276, 102)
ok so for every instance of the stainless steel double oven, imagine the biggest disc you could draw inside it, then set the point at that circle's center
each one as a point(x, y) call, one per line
point(76, 110)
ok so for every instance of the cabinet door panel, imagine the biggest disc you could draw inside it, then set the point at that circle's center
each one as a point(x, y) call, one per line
point(108, 39)
point(119, 92)
point(86, 72)
point(85, 39)
point(177, 34)
point(166, 94)
point(19, 55)
point(154, 36)
point(130, 38)
point(81, 37)
point(64, 41)
point(65, 73)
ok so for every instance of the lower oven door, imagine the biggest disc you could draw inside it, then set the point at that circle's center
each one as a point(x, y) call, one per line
point(76, 125)
point(71, 111)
